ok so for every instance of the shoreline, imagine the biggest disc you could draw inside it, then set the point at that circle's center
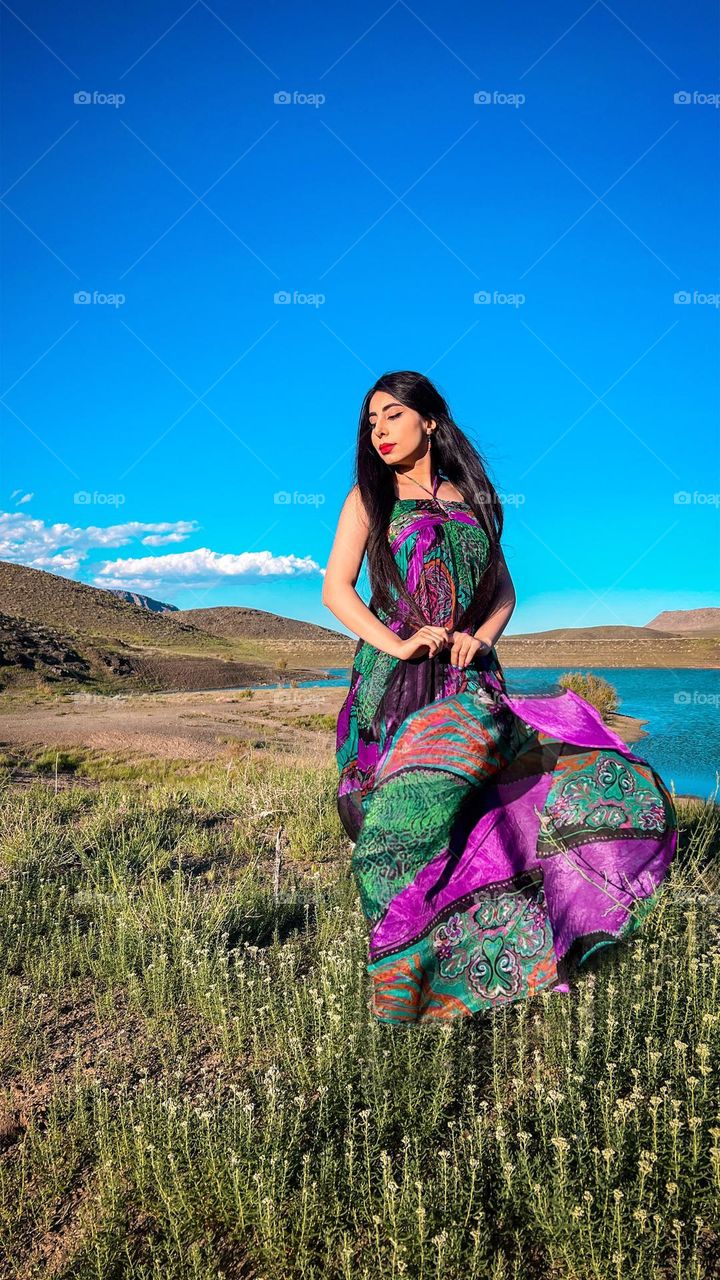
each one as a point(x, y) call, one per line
point(292, 724)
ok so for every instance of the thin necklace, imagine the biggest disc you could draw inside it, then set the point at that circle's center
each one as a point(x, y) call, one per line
point(433, 495)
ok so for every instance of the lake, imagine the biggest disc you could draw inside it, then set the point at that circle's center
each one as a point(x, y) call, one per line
point(681, 707)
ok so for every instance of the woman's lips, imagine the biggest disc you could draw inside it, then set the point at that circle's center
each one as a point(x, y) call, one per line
point(385, 448)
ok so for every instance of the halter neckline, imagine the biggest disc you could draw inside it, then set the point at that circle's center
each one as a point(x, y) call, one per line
point(434, 497)
point(442, 502)
point(449, 502)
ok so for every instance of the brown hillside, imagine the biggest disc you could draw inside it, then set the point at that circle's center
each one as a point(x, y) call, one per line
point(238, 623)
point(79, 610)
point(32, 650)
point(33, 657)
point(698, 621)
point(584, 634)
point(610, 647)
point(145, 602)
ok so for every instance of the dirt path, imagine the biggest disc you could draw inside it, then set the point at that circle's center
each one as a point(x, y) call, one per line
point(192, 726)
point(189, 726)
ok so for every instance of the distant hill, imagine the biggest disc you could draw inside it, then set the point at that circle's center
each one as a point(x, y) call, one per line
point(238, 623)
point(60, 633)
point(583, 634)
point(142, 602)
point(698, 621)
point(75, 608)
point(572, 647)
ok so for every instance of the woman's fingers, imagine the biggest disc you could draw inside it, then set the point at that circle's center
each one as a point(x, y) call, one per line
point(464, 648)
point(459, 650)
point(434, 637)
point(441, 633)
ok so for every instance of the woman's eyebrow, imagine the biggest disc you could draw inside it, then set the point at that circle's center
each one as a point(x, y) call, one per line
point(391, 405)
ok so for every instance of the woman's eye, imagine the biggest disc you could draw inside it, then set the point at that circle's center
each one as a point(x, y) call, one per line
point(391, 418)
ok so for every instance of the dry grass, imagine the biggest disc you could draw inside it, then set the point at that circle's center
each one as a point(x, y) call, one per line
point(192, 1085)
point(594, 689)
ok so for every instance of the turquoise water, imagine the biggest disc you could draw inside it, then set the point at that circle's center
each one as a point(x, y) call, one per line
point(681, 707)
point(338, 676)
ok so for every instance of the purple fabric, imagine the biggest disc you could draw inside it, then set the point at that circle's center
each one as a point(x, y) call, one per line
point(490, 854)
point(587, 888)
point(569, 718)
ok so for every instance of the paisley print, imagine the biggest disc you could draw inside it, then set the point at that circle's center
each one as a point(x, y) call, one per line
point(603, 792)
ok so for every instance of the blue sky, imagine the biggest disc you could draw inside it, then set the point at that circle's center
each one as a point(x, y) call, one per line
point(172, 426)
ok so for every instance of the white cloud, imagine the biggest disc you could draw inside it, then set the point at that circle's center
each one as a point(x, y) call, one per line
point(198, 568)
point(61, 548)
point(162, 539)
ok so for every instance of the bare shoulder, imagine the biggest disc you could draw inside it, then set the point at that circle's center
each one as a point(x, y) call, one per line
point(353, 508)
point(349, 544)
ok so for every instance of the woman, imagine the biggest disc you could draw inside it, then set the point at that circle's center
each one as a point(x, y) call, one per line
point(498, 841)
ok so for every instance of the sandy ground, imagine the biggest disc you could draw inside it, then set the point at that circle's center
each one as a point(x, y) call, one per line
point(191, 726)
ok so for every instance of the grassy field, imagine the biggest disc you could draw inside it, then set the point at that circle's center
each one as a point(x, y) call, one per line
point(193, 1086)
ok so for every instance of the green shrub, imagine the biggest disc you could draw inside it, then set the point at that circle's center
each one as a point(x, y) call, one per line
point(598, 692)
point(65, 761)
point(316, 720)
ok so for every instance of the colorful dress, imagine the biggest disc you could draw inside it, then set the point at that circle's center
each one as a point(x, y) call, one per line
point(498, 841)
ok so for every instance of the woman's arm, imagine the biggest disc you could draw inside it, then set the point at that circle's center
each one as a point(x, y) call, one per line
point(343, 569)
point(504, 603)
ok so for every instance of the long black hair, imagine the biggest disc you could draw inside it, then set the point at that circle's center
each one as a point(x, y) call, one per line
point(454, 458)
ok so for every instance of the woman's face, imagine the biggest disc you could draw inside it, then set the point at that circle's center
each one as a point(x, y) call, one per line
point(394, 424)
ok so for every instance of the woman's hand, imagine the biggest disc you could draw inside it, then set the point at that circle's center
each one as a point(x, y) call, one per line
point(466, 647)
point(431, 638)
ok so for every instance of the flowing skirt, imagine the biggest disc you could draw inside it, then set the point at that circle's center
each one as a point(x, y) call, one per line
point(504, 840)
